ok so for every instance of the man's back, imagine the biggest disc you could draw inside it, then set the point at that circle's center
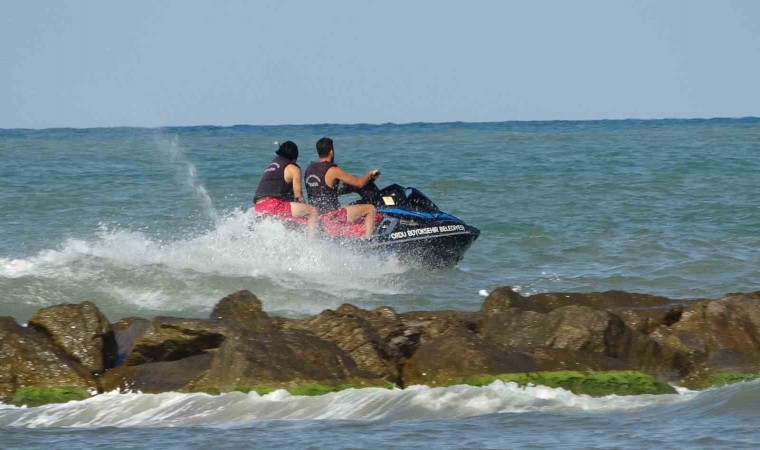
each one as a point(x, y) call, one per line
point(273, 183)
point(321, 195)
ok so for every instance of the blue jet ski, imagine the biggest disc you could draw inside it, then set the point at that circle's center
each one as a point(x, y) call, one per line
point(413, 227)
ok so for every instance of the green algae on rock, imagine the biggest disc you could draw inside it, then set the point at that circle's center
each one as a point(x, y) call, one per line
point(725, 378)
point(36, 396)
point(597, 384)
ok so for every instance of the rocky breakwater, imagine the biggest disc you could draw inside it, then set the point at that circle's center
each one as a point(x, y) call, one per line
point(594, 343)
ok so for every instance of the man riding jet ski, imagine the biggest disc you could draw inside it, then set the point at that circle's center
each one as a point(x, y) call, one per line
point(323, 181)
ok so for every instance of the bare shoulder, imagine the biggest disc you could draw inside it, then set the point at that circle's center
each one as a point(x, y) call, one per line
point(336, 172)
point(293, 168)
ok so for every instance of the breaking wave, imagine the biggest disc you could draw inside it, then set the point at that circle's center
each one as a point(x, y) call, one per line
point(237, 410)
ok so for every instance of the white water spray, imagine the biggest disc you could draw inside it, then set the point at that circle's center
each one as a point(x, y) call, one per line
point(236, 409)
point(132, 272)
point(189, 174)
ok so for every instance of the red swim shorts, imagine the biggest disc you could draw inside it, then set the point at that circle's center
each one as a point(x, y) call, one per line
point(334, 224)
point(274, 206)
point(338, 216)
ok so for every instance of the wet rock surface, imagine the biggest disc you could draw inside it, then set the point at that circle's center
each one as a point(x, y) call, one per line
point(284, 358)
point(82, 331)
point(242, 309)
point(454, 356)
point(171, 339)
point(240, 347)
point(30, 358)
point(360, 335)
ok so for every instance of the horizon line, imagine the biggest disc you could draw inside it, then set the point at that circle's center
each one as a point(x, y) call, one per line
point(633, 119)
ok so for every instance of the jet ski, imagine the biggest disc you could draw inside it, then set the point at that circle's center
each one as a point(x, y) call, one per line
point(411, 226)
point(408, 225)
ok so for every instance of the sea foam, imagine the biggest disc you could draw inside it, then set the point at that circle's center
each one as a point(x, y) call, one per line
point(236, 409)
point(133, 267)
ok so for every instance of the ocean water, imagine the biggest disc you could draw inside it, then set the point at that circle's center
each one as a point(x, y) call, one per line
point(156, 221)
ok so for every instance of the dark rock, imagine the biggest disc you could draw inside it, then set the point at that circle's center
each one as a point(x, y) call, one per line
point(716, 336)
point(352, 329)
point(598, 300)
point(157, 377)
point(127, 332)
point(242, 309)
point(82, 331)
point(241, 347)
point(503, 298)
point(452, 357)
point(432, 324)
point(592, 339)
point(560, 359)
point(642, 312)
point(171, 339)
point(384, 319)
point(571, 327)
point(646, 320)
point(29, 358)
point(288, 357)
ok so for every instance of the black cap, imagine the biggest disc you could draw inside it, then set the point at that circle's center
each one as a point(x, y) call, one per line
point(288, 150)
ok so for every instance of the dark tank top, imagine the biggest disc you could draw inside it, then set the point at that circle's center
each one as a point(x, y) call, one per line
point(321, 195)
point(273, 182)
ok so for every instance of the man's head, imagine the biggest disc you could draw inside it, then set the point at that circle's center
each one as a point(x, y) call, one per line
point(324, 147)
point(288, 150)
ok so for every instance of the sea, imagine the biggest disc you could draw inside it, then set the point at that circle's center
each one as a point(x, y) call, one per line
point(157, 221)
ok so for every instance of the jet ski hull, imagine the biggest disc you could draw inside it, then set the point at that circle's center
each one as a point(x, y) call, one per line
point(433, 248)
point(409, 226)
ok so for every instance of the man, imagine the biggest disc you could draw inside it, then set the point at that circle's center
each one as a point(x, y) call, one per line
point(279, 191)
point(322, 180)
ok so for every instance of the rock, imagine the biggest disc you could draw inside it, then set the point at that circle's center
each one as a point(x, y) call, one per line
point(249, 359)
point(82, 331)
point(242, 309)
point(171, 339)
point(432, 324)
point(715, 336)
point(598, 300)
point(353, 330)
point(384, 319)
point(243, 360)
point(29, 358)
point(684, 341)
point(452, 357)
point(157, 377)
point(553, 359)
point(578, 338)
point(242, 348)
point(127, 332)
point(570, 327)
point(642, 312)
point(503, 298)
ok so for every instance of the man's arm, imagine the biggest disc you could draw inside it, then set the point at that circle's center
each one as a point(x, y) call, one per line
point(293, 173)
point(336, 173)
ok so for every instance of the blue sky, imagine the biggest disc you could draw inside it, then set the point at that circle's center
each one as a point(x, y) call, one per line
point(158, 63)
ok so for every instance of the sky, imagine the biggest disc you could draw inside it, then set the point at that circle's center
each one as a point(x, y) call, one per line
point(162, 63)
